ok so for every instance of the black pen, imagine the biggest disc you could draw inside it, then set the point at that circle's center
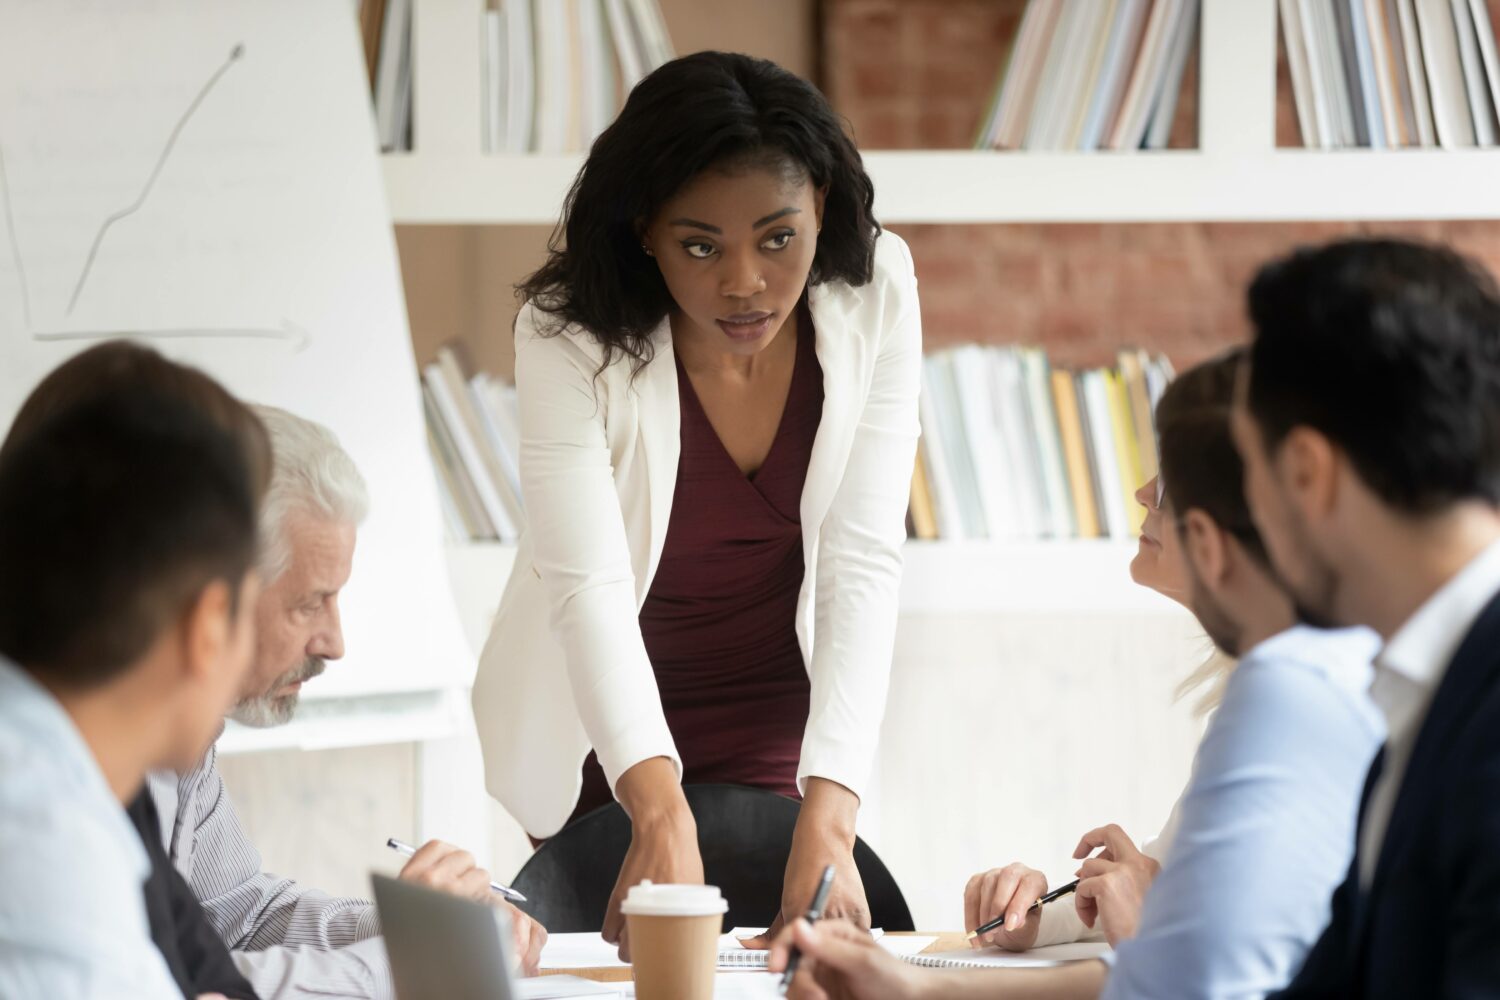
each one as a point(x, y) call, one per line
point(813, 915)
point(1054, 894)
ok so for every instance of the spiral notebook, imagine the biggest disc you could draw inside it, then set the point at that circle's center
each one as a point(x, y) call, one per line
point(994, 958)
point(734, 955)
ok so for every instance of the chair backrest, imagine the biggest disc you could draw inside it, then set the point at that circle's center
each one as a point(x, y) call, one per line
point(745, 836)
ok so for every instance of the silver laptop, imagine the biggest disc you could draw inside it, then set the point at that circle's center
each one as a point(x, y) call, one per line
point(441, 945)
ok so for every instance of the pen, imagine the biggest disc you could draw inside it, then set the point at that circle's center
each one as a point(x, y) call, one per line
point(813, 915)
point(405, 849)
point(1054, 894)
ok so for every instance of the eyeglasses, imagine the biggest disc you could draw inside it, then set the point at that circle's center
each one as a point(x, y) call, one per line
point(1161, 491)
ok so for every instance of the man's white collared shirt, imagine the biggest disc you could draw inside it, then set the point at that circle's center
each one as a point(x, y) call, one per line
point(1407, 674)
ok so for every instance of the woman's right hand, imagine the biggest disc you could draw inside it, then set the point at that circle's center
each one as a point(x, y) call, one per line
point(1010, 891)
point(663, 839)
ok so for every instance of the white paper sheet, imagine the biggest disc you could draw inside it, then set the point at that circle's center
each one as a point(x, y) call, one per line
point(739, 986)
point(261, 250)
point(560, 987)
point(585, 950)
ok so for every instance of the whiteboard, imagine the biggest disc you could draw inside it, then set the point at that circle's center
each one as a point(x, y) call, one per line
point(261, 252)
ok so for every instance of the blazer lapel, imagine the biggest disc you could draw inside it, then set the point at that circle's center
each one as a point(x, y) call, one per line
point(1475, 668)
point(660, 431)
point(838, 346)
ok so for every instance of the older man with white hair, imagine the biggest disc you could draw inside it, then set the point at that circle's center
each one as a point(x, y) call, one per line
point(289, 940)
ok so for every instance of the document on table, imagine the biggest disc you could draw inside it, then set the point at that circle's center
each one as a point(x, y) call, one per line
point(561, 987)
point(734, 955)
point(580, 950)
point(737, 986)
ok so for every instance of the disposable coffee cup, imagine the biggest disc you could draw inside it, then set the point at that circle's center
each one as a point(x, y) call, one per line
point(674, 939)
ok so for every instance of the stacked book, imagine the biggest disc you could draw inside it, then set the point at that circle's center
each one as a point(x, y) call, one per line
point(1012, 448)
point(473, 431)
point(555, 71)
point(1092, 74)
point(385, 26)
point(1391, 73)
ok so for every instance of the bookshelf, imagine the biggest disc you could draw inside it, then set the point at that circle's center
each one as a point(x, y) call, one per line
point(1237, 173)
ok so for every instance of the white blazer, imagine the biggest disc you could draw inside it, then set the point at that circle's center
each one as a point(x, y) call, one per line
point(565, 667)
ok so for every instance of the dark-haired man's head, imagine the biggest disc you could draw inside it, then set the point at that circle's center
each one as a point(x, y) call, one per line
point(1368, 418)
point(120, 365)
point(127, 552)
point(1232, 592)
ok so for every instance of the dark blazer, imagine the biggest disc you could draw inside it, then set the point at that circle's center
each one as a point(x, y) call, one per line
point(1429, 924)
point(198, 959)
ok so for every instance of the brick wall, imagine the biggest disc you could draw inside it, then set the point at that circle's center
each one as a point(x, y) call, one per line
point(918, 74)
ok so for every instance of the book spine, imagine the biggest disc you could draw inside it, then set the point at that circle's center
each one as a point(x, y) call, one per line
point(1075, 454)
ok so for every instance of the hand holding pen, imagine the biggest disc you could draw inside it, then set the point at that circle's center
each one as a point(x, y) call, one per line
point(813, 915)
point(1013, 920)
point(442, 866)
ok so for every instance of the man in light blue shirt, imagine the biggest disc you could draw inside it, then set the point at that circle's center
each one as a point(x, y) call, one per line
point(127, 541)
point(1263, 831)
point(1244, 886)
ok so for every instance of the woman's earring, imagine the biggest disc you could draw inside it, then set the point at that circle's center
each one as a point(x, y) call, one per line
point(647, 250)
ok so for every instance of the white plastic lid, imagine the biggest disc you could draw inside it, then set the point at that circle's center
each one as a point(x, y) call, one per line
point(650, 900)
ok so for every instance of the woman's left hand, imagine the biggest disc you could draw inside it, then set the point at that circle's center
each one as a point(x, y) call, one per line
point(1112, 885)
point(824, 836)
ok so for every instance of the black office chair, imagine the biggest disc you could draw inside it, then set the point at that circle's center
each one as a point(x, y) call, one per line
point(745, 836)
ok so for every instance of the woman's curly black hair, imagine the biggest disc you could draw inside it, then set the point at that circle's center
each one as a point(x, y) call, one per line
point(710, 109)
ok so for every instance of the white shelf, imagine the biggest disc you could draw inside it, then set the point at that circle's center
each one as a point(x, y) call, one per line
point(940, 578)
point(355, 721)
point(964, 186)
point(1236, 175)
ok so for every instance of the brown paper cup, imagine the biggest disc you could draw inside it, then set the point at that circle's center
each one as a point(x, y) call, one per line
point(674, 940)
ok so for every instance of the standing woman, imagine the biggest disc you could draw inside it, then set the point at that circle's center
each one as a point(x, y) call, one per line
point(718, 368)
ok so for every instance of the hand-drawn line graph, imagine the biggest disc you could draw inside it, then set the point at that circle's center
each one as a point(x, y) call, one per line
point(161, 161)
point(15, 246)
point(288, 331)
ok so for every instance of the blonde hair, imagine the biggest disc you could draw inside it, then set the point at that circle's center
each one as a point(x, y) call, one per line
point(1210, 678)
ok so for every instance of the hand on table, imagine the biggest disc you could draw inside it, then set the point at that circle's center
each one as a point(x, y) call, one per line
point(843, 962)
point(824, 836)
point(663, 840)
point(1010, 891)
point(1112, 884)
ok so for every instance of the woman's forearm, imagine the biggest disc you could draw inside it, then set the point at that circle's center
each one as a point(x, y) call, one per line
point(651, 793)
point(830, 808)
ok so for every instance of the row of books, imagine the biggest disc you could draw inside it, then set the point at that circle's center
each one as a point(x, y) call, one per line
point(473, 432)
point(1393, 73)
point(1092, 74)
point(385, 29)
point(555, 71)
point(1012, 448)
